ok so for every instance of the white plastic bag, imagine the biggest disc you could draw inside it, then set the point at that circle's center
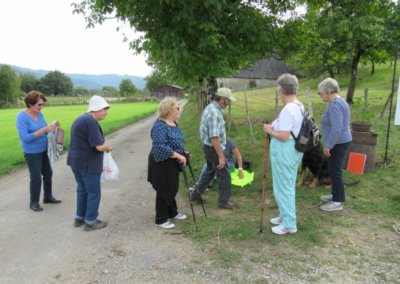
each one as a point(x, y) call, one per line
point(110, 168)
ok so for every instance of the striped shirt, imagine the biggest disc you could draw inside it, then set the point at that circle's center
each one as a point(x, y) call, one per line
point(212, 124)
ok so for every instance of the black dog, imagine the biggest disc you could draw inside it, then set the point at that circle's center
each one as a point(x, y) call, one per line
point(315, 161)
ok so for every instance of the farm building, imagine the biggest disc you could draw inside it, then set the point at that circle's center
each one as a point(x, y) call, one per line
point(262, 73)
point(168, 90)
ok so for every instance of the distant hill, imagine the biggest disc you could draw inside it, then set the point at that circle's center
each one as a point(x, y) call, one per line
point(88, 81)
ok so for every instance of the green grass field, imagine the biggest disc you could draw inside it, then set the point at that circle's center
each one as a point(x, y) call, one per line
point(372, 205)
point(120, 115)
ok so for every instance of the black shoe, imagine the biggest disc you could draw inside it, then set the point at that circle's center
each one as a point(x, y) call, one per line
point(79, 222)
point(51, 200)
point(98, 225)
point(35, 207)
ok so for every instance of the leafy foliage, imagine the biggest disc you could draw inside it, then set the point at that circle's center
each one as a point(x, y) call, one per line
point(127, 88)
point(191, 40)
point(56, 83)
point(9, 86)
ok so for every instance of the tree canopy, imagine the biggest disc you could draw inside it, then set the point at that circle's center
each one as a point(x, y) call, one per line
point(191, 40)
point(9, 86)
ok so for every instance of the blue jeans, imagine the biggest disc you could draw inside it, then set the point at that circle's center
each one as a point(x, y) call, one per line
point(39, 166)
point(88, 195)
point(335, 168)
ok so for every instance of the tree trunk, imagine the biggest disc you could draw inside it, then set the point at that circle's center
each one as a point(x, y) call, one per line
point(353, 77)
point(373, 68)
point(211, 89)
point(331, 73)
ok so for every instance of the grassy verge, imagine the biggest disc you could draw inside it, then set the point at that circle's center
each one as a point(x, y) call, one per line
point(337, 242)
point(120, 115)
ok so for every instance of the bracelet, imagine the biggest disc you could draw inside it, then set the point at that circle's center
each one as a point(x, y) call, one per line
point(240, 169)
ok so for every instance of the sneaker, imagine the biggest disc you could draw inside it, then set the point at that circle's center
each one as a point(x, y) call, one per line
point(180, 216)
point(191, 189)
point(79, 222)
point(166, 225)
point(96, 226)
point(228, 205)
point(332, 206)
point(276, 221)
point(280, 230)
point(326, 198)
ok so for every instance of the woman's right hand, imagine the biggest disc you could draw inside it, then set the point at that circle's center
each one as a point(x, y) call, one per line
point(181, 159)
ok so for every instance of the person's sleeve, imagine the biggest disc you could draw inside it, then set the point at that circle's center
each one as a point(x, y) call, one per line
point(95, 136)
point(336, 121)
point(161, 151)
point(22, 128)
point(214, 125)
point(286, 119)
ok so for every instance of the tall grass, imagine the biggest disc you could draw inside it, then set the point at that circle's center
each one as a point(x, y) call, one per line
point(119, 115)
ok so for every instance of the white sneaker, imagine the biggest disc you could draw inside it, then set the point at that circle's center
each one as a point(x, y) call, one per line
point(166, 225)
point(276, 221)
point(280, 230)
point(332, 206)
point(326, 198)
point(180, 216)
point(191, 189)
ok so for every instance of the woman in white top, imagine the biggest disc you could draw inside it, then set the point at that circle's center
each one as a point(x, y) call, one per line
point(285, 159)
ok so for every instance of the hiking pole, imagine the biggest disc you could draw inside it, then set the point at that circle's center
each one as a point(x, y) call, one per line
point(190, 200)
point(264, 183)
point(195, 187)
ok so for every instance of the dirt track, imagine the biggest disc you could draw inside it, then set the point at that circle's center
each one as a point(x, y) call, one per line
point(44, 247)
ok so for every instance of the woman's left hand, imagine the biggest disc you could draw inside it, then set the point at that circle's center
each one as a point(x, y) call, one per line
point(327, 152)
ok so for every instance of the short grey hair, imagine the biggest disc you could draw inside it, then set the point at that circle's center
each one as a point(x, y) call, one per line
point(328, 86)
point(288, 83)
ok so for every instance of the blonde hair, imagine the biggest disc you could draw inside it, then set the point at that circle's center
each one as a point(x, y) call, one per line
point(166, 105)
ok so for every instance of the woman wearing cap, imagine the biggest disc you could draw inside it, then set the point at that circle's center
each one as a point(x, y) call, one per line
point(285, 159)
point(85, 157)
point(32, 131)
point(165, 160)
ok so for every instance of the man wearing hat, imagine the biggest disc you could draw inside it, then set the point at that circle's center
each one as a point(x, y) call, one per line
point(213, 135)
point(85, 157)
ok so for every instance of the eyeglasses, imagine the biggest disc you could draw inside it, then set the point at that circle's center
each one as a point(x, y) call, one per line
point(40, 105)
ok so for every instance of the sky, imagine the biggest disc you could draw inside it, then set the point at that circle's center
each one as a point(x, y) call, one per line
point(45, 35)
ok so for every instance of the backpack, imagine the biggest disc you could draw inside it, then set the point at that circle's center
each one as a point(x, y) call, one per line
point(309, 135)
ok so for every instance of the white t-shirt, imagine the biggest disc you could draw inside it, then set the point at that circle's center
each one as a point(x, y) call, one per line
point(289, 119)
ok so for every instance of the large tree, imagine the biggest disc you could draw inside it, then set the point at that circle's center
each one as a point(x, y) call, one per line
point(28, 82)
point(191, 41)
point(339, 33)
point(127, 88)
point(56, 83)
point(9, 86)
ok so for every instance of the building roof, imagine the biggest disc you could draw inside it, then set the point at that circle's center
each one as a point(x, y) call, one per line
point(267, 68)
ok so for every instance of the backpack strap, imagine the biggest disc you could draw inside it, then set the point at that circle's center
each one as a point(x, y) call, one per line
point(304, 116)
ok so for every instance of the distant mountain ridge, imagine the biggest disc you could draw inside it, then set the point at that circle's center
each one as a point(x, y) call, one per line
point(88, 81)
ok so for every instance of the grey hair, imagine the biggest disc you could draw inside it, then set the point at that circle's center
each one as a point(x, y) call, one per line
point(328, 86)
point(288, 83)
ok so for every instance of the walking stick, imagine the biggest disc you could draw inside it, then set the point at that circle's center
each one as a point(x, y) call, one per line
point(188, 193)
point(195, 186)
point(264, 183)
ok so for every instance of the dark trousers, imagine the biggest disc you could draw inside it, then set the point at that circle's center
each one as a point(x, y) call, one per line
point(39, 166)
point(165, 209)
point(223, 176)
point(335, 168)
